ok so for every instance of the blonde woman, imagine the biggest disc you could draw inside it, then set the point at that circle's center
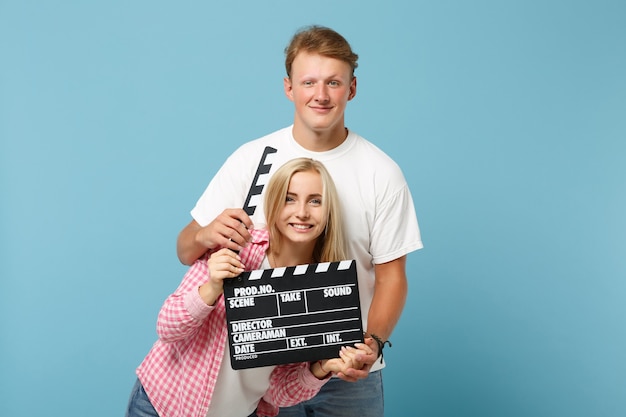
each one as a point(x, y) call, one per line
point(188, 371)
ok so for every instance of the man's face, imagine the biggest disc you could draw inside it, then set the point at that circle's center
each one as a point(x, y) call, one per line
point(320, 87)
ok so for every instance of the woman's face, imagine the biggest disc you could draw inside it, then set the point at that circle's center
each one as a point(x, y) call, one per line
point(303, 219)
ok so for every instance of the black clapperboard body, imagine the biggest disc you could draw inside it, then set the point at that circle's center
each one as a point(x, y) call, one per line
point(293, 314)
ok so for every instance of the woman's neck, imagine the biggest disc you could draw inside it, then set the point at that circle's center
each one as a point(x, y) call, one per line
point(290, 255)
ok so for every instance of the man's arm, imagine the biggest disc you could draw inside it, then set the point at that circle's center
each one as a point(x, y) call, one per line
point(390, 291)
point(187, 248)
point(228, 230)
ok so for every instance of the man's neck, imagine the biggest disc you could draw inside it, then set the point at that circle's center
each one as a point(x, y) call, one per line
point(319, 141)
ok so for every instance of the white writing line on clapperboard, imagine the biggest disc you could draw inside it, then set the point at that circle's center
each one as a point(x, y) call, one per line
point(244, 296)
point(329, 340)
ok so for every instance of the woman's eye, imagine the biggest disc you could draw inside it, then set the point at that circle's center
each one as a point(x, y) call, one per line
point(316, 201)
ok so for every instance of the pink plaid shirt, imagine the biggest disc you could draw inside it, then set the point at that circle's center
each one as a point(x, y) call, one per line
point(180, 371)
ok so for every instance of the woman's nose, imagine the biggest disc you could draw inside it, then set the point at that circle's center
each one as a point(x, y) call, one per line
point(303, 211)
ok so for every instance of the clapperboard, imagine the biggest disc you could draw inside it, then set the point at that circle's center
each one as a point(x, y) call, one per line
point(258, 182)
point(293, 314)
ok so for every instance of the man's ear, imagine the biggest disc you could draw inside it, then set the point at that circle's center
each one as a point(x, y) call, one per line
point(288, 88)
point(352, 89)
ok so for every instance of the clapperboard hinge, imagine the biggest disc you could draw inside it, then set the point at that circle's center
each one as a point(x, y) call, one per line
point(257, 186)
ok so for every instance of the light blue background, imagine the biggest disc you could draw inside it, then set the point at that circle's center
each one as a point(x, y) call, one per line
point(507, 117)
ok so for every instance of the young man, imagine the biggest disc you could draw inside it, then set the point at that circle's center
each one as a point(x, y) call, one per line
point(381, 224)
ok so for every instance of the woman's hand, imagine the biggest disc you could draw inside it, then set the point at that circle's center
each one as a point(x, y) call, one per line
point(349, 358)
point(363, 358)
point(223, 264)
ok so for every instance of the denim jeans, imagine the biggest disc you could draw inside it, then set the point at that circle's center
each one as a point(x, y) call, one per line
point(339, 398)
point(139, 404)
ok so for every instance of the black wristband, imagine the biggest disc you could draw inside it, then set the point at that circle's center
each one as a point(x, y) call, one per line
point(381, 345)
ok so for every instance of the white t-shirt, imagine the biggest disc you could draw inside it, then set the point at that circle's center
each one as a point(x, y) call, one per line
point(377, 207)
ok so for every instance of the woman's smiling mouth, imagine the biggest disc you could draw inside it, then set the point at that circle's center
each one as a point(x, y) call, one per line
point(300, 226)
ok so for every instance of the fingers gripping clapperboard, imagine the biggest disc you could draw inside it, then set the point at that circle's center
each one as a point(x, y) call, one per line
point(292, 314)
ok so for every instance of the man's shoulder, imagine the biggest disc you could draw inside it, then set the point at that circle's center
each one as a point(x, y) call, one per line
point(367, 150)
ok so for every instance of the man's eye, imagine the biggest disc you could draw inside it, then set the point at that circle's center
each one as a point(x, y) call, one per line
point(307, 83)
point(334, 83)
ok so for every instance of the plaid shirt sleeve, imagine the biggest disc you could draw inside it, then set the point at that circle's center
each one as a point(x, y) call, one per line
point(184, 311)
point(289, 385)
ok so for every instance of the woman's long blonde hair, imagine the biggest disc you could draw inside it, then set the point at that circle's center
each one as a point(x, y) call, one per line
point(331, 244)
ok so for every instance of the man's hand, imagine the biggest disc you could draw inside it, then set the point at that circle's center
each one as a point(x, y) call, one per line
point(351, 360)
point(363, 357)
point(228, 230)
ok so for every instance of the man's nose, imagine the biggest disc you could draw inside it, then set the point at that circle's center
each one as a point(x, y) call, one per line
point(321, 92)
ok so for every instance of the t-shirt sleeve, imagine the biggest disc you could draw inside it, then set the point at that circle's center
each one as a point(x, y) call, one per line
point(396, 231)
